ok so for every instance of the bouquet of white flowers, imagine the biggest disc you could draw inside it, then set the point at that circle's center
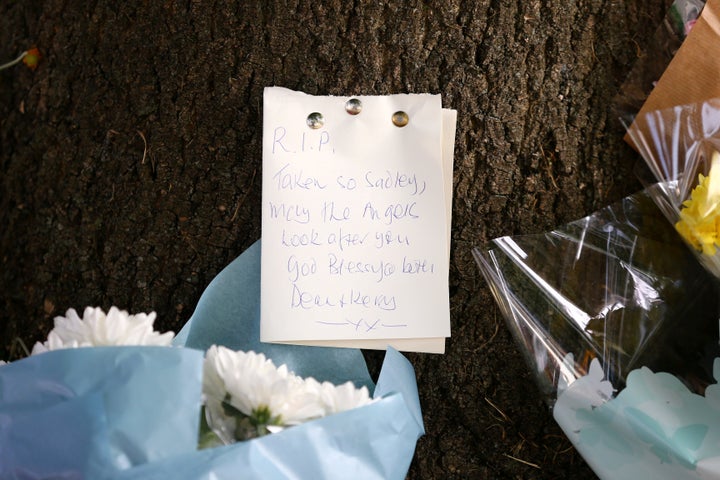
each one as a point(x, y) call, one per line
point(106, 396)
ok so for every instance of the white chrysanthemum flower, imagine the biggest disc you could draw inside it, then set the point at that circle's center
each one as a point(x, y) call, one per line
point(97, 329)
point(213, 383)
point(252, 383)
point(339, 398)
point(3, 362)
point(301, 403)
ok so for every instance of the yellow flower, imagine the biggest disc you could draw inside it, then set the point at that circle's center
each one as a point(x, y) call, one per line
point(699, 222)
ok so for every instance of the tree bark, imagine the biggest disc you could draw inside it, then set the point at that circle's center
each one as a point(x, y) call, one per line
point(130, 165)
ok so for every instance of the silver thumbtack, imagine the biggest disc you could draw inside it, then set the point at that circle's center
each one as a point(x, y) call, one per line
point(315, 120)
point(353, 106)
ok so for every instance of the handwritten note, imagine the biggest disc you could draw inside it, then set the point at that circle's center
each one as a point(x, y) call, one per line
point(355, 226)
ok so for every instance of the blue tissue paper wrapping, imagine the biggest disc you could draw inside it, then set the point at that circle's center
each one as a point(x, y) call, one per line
point(133, 412)
point(93, 410)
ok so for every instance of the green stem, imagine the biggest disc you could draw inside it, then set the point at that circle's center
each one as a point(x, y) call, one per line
point(24, 347)
point(14, 62)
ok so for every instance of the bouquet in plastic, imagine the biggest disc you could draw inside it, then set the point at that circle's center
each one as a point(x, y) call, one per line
point(677, 132)
point(618, 312)
point(681, 146)
point(620, 324)
point(107, 397)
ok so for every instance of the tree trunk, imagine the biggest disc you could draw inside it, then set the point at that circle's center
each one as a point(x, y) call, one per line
point(130, 165)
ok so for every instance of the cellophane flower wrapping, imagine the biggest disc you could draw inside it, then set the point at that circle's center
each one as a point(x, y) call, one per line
point(619, 322)
point(681, 147)
point(134, 412)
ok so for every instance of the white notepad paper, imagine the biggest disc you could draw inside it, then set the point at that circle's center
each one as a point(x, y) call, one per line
point(356, 220)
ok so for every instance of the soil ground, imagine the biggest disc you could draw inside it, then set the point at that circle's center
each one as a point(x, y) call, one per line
point(130, 165)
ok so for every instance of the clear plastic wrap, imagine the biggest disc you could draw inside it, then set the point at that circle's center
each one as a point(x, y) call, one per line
point(680, 145)
point(597, 306)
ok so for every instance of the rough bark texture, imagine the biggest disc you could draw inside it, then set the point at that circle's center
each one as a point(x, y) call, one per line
point(130, 165)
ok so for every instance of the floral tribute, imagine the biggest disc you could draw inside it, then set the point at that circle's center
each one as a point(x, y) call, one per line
point(699, 222)
point(245, 395)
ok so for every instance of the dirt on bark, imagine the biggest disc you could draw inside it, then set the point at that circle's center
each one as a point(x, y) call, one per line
point(130, 165)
